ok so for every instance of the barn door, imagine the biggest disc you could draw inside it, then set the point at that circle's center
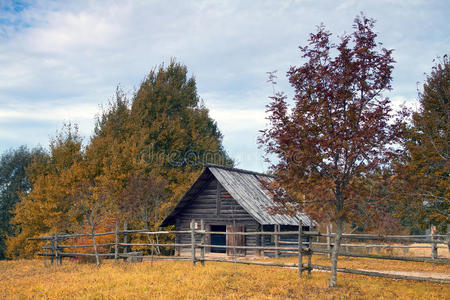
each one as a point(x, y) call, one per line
point(236, 240)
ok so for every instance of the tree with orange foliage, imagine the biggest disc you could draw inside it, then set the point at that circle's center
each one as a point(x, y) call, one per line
point(163, 133)
point(92, 203)
point(45, 208)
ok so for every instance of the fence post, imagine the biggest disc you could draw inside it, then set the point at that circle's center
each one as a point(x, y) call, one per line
point(55, 238)
point(262, 241)
point(310, 254)
point(277, 240)
point(116, 245)
point(434, 252)
point(202, 249)
point(177, 237)
point(300, 242)
point(329, 230)
point(52, 251)
point(193, 241)
point(153, 250)
point(448, 236)
point(45, 257)
point(125, 240)
point(60, 254)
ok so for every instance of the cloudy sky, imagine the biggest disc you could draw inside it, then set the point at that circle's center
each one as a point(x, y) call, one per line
point(60, 60)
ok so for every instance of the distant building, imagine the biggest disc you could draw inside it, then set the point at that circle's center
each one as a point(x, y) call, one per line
point(229, 199)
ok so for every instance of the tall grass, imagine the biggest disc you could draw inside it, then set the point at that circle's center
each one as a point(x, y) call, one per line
point(30, 279)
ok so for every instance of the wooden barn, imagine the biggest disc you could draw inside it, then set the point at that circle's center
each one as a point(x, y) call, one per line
point(227, 199)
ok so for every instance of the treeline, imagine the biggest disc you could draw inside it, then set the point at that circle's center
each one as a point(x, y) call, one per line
point(144, 154)
point(146, 151)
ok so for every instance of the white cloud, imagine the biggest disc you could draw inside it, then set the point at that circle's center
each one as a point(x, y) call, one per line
point(80, 32)
point(60, 60)
point(50, 113)
point(234, 118)
point(19, 121)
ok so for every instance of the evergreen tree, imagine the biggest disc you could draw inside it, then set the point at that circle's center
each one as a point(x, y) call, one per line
point(423, 173)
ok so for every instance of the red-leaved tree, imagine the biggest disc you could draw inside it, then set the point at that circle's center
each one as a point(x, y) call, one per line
point(338, 131)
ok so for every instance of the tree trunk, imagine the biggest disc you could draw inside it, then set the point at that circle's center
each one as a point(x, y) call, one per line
point(97, 259)
point(335, 251)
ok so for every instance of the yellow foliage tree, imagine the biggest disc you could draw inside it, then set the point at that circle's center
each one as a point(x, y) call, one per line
point(164, 134)
point(45, 209)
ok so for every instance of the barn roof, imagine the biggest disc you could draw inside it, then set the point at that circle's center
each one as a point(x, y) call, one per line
point(246, 188)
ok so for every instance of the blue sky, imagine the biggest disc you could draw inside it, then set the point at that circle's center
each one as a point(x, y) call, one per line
point(61, 60)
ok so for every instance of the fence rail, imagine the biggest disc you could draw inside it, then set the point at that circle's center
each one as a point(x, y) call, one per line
point(57, 250)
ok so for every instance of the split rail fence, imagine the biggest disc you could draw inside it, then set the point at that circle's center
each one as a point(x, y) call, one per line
point(56, 247)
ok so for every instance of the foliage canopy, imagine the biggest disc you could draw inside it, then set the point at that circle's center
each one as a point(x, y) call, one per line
point(422, 174)
point(338, 132)
point(161, 137)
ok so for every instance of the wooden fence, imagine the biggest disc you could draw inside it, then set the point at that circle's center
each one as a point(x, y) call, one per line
point(303, 249)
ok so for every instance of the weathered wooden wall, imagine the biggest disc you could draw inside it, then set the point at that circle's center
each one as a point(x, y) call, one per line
point(215, 206)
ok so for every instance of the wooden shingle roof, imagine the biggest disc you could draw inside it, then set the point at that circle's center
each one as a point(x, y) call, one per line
point(246, 188)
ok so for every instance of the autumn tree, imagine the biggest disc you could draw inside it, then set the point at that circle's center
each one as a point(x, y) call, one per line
point(92, 203)
point(112, 153)
point(337, 131)
point(173, 129)
point(142, 201)
point(377, 209)
point(162, 133)
point(422, 174)
point(45, 208)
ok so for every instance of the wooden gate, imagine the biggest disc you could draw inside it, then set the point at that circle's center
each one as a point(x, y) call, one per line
point(236, 240)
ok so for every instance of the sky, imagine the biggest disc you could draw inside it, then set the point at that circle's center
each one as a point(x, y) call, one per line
point(61, 61)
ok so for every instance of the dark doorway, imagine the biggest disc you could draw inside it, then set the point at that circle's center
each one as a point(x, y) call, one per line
point(218, 239)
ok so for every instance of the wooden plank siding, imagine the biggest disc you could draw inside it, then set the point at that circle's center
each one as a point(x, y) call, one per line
point(216, 207)
point(236, 240)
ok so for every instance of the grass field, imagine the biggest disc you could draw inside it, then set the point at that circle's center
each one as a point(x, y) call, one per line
point(376, 264)
point(23, 279)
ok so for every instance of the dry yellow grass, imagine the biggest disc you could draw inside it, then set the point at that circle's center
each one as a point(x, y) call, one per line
point(442, 252)
point(376, 264)
point(426, 252)
point(25, 279)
